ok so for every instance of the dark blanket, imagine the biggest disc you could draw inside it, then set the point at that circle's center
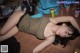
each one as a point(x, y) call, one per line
point(13, 45)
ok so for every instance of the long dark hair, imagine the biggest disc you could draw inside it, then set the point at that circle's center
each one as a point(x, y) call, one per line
point(65, 41)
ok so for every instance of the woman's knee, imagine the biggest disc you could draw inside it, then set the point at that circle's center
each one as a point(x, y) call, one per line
point(14, 29)
point(2, 32)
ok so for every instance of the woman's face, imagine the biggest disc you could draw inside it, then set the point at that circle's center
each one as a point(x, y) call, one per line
point(64, 31)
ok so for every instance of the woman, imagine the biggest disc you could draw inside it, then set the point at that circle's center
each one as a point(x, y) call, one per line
point(43, 28)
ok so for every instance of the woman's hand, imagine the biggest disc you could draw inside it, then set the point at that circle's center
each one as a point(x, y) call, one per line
point(64, 31)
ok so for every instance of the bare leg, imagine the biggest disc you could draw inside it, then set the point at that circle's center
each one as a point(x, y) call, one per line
point(13, 20)
point(11, 33)
point(45, 43)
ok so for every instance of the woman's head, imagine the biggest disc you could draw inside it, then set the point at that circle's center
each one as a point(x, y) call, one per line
point(64, 31)
point(65, 40)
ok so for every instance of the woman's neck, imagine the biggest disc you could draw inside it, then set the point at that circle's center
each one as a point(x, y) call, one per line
point(55, 27)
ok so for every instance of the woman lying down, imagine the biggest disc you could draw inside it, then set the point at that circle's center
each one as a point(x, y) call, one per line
point(43, 28)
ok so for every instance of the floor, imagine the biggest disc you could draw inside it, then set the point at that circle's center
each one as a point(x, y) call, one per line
point(29, 42)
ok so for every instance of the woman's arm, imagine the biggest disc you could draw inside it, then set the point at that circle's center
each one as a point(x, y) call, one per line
point(66, 19)
point(12, 20)
point(48, 41)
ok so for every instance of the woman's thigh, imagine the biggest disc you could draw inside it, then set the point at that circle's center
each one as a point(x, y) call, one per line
point(9, 34)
